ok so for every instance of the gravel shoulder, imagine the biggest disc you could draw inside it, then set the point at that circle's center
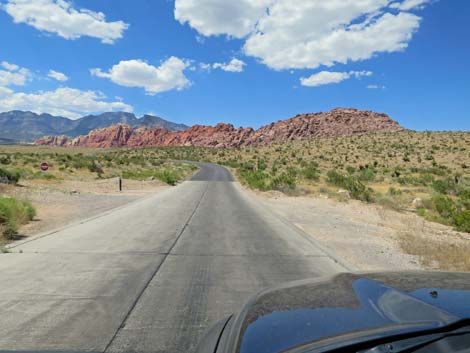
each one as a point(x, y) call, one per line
point(367, 236)
point(59, 203)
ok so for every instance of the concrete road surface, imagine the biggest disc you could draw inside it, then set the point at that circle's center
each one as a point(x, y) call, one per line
point(151, 276)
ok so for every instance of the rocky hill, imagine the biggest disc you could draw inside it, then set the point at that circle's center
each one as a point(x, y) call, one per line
point(24, 126)
point(337, 122)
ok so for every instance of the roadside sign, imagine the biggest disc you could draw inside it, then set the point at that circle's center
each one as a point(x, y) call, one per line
point(44, 166)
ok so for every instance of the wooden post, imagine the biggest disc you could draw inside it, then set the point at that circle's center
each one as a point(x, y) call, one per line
point(120, 184)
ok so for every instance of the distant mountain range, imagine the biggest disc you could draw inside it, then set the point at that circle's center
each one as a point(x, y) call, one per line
point(21, 126)
point(337, 122)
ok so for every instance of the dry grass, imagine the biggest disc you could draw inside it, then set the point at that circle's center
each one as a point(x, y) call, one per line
point(445, 254)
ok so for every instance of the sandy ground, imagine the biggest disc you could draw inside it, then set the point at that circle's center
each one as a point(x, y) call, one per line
point(365, 236)
point(65, 202)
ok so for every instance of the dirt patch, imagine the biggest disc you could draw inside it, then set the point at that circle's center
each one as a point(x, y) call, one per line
point(59, 203)
point(372, 237)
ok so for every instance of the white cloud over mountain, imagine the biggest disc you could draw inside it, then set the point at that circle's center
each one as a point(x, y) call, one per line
point(154, 79)
point(234, 65)
point(285, 34)
point(61, 18)
point(329, 77)
point(69, 102)
point(65, 101)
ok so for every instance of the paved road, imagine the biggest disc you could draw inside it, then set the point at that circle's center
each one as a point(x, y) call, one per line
point(151, 276)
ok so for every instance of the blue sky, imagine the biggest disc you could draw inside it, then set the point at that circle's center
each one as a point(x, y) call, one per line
point(248, 62)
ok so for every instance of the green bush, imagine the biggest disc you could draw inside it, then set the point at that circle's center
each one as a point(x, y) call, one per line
point(167, 175)
point(461, 221)
point(9, 177)
point(311, 172)
point(357, 189)
point(455, 213)
point(5, 159)
point(254, 178)
point(367, 175)
point(445, 186)
point(95, 168)
point(445, 206)
point(464, 198)
point(283, 182)
point(14, 213)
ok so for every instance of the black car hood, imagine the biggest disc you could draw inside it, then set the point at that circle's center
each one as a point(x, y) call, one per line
point(378, 303)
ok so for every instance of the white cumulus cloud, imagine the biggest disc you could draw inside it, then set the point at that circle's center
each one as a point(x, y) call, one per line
point(69, 102)
point(59, 17)
point(409, 4)
point(329, 77)
point(235, 65)
point(8, 66)
point(138, 73)
point(286, 34)
point(59, 76)
point(214, 17)
point(13, 75)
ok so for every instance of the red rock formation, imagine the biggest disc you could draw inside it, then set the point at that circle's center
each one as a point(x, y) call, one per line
point(60, 140)
point(338, 122)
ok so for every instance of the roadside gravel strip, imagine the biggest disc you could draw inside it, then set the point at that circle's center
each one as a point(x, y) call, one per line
point(363, 236)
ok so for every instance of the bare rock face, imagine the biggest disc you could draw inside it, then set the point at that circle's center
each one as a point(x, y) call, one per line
point(338, 122)
point(113, 136)
point(60, 140)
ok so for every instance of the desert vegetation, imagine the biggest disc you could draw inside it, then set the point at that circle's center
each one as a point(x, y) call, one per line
point(19, 164)
point(423, 172)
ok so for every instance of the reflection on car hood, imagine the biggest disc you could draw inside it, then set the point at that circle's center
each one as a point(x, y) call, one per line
point(312, 311)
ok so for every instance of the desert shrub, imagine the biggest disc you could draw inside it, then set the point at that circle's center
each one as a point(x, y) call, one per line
point(168, 176)
point(14, 213)
point(357, 189)
point(350, 170)
point(367, 175)
point(232, 163)
point(9, 177)
point(262, 165)
point(464, 198)
point(421, 212)
point(311, 171)
point(5, 159)
point(461, 220)
point(453, 212)
point(445, 186)
point(95, 168)
point(254, 178)
point(283, 182)
point(445, 206)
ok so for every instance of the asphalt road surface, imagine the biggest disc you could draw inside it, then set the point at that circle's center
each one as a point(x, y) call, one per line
point(151, 276)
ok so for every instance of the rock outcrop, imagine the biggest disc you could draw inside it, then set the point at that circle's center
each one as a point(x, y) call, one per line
point(337, 122)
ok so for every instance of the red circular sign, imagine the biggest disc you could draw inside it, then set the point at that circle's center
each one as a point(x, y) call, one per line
point(44, 166)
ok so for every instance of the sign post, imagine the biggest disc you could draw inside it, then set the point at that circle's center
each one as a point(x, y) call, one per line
point(120, 184)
